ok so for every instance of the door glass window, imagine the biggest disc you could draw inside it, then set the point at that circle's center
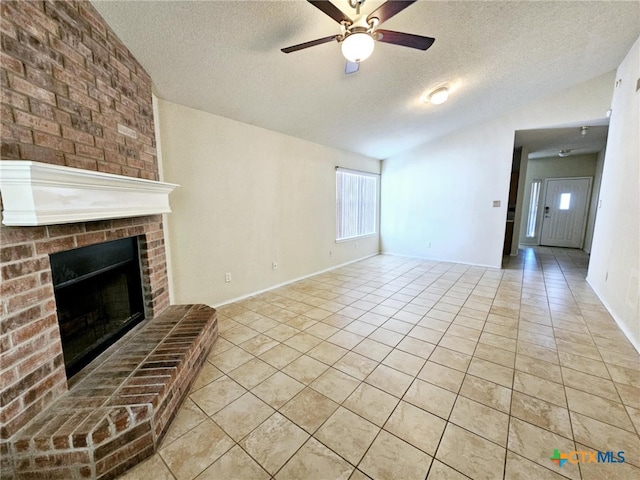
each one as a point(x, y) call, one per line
point(533, 208)
point(565, 201)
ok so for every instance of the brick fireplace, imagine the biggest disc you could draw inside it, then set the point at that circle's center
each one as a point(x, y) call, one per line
point(98, 293)
point(72, 95)
point(33, 372)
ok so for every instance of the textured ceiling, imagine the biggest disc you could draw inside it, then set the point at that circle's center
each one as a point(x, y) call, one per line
point(224, 58)
point(547, 142)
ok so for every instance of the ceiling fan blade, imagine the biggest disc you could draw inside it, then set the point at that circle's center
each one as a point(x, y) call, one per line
point(330, 9)
point(312, 43)
point(387, 10)
point(405, 39)
point(351, 67)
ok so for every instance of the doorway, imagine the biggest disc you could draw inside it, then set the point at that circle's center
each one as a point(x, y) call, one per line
point(565, 203)
point(558, 153)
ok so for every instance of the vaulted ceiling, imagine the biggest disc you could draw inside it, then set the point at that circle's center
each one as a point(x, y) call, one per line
point(224, 57)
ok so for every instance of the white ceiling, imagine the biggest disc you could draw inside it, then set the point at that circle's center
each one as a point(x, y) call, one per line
point(224, 57)
point(547, 142)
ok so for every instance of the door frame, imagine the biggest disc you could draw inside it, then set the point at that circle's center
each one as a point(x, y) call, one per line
point(586, 215)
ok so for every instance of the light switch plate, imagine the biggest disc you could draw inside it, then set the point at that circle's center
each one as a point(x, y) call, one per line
point(496, 203)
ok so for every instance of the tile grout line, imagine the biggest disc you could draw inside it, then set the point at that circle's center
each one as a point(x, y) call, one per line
point(441, 279)
point(513, 379)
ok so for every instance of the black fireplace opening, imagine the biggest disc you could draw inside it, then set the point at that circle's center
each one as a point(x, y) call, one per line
point(98, 291)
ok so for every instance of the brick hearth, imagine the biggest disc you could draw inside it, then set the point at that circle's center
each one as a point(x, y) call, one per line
point(118, 412)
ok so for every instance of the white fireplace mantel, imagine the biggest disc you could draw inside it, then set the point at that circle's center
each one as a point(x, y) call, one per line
point(35, 193)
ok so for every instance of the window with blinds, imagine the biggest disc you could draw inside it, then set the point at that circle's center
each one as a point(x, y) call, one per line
point(356, 203)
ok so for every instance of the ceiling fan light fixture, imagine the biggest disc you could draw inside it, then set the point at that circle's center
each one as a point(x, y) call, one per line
point(438, 96)
point(357, 47)
point(564, 152)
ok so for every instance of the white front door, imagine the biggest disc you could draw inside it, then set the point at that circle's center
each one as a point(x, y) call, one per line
point(565, 211)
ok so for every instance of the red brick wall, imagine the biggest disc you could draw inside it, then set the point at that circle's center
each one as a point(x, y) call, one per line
point(67, 82)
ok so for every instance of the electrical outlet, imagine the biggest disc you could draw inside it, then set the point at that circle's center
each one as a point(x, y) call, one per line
point(227, 277)
point(274, 265)
point(356, 245)
point(330, 253)
point(428, 244)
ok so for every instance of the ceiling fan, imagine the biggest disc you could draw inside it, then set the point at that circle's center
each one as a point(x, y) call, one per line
point(358, 37)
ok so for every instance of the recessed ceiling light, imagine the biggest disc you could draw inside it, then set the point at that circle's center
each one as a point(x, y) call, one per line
point(437, 96)
point(564, 152)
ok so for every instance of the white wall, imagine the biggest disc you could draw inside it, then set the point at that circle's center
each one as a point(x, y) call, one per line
point(248, 197)
point(615, 253)
point(593, 208)
point(552, 167)
point(442, 192)
point(520, 211)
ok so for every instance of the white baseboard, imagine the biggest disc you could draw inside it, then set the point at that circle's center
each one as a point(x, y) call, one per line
point(440, 260)
point(288, 282)
point(621, 324)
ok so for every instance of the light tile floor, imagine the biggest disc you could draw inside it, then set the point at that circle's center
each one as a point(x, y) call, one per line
point(396, 368)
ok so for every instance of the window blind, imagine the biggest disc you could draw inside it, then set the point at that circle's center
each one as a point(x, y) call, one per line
point(356, 203)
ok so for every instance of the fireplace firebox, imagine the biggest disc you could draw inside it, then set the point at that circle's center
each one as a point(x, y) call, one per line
point(98, 291)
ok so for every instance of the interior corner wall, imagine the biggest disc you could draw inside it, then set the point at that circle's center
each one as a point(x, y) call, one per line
point(593, 206)
point(438, 198)
point(249, 197)
point(521, 203)
point(551, 167)
point(614, 267)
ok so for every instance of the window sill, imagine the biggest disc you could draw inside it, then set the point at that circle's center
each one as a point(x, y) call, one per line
point(359, 237)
